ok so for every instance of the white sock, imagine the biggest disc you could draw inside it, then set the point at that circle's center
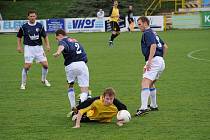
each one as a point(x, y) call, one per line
point(153, 98)
point(144, 98)
point(24, 75)
point(44, 73)
point(83, 96)
point(71, 96)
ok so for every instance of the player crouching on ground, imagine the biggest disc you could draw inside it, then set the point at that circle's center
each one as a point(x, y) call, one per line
point(99, 109)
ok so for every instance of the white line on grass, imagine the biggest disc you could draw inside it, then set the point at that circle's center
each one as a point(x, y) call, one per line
point(200, 59)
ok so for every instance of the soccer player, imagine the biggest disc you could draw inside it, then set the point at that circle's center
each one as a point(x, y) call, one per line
point(75, 60)
point(100, 14)
point(99, 109)
point(130, 18)
point(153, 49)
point(32, 31)
point(114, 18)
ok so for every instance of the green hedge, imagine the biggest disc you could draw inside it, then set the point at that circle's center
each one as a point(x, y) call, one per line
point(66, 8)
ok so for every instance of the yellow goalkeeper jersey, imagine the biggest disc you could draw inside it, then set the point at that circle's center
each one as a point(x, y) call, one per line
point(99, 112)
point(114, 16)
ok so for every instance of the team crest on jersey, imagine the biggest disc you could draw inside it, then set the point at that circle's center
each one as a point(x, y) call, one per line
point(37, 29)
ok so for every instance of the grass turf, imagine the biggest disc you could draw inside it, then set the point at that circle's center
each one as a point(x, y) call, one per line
point(40, 112)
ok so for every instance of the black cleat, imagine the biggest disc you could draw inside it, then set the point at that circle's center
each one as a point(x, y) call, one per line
point(152, 108)
point(141, 112)
point(111, 44)
point(72, 112)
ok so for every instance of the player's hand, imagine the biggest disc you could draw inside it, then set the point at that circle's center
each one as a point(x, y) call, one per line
point(76, 126)
point(144, 69)
point(148, 65)
point(120, 122)
point(48, 48)
point(20, 49)
point(55, 54)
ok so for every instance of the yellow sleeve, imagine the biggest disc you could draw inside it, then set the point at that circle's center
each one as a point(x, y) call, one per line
point(84, 110)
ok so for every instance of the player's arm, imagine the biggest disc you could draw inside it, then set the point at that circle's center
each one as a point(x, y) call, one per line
point(165, 49)
point(110, 12)
point(19, 48)
point(47, 44)
point(46, 40)
point(150, 39)
point(19, 38)
point(151, 55)
point(59, 51)
point(79, 115)
point(87, 103)
point(118, 16)
point(119, 105)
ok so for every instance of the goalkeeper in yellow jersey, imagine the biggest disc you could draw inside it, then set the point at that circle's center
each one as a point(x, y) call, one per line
point(99, 109)
point(114, 17)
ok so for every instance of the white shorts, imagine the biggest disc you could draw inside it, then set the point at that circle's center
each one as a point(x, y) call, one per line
point(78, 71)
point(32, 53)
point(157, 67)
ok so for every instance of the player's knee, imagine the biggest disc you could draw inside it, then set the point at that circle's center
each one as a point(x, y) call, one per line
point(26, 68)
point(71, 84)
point(83, 96)
point(114, 33)
point(45, 66)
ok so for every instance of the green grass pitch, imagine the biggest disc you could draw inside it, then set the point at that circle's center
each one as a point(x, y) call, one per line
point(183, 91)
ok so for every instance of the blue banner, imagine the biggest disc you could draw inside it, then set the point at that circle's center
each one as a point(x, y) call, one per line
point(14, 25)
point(55, 24)
point(84, 25)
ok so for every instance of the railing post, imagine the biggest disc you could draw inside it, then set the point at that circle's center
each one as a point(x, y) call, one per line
point(160, 1)
point(183, 3)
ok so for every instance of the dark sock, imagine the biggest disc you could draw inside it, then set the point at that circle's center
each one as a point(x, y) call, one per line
point(112, 37)
point(116, 35)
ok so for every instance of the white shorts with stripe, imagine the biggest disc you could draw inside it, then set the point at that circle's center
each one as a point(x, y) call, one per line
point(32, 53)
point(157, 67)
point(78, 71)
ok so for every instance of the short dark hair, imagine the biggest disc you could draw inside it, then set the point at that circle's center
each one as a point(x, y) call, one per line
point(60, 31)
point(109, 91)
point(31, 12)
point(144, 19)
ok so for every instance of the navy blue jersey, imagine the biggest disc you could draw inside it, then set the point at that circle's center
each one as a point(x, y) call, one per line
point(73, 51)
point(32, 34)
point(150, 37)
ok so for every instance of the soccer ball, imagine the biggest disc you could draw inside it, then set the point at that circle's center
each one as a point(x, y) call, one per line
point(124, 115)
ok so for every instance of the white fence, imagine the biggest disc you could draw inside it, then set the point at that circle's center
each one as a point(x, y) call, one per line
point(79, 24)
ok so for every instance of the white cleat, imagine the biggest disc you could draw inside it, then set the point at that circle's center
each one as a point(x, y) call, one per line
point(89, 94)
point(69, 115)
point(23, 86)
point(74, 118)
point(46, 83)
